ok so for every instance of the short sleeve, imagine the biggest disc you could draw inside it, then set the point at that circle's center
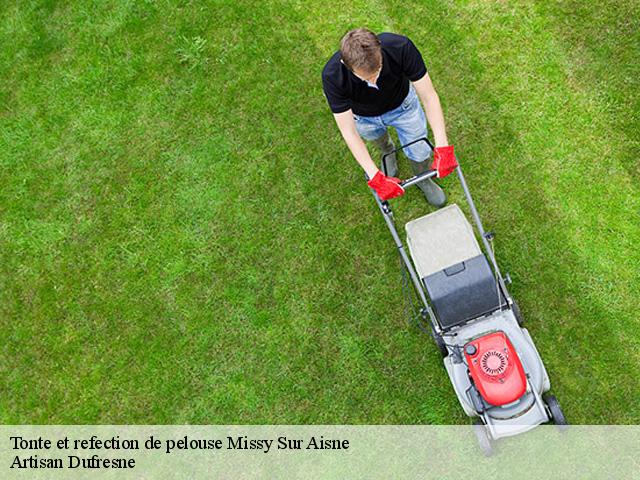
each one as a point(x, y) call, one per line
point(337, 100)
point(412, 63)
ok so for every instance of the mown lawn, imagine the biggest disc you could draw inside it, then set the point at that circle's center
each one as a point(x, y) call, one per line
point(184, 238)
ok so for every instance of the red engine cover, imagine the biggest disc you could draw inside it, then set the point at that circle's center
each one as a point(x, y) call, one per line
point(495, 368)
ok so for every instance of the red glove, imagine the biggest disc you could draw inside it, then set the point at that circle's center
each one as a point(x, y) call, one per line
point(444, 161)
point(386, 187)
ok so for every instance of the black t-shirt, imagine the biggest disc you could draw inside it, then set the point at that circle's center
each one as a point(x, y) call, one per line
point(401, 63)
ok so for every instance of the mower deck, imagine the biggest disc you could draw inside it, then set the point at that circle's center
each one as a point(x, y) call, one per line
point(510, 419)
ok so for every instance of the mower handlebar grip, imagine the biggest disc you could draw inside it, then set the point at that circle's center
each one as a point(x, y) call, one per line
point(418, 178)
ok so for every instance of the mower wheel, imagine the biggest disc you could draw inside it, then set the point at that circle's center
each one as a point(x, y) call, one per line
point(516, 313)
point(441, 345)
point(482, 434)
point(556, 412)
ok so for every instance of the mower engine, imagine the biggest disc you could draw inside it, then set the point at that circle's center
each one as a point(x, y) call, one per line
point(495, 369)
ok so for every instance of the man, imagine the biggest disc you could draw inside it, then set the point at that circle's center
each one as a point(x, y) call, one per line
point(376, 81)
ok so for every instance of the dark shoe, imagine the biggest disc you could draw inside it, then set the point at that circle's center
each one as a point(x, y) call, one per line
point(385, 144)
point(432, 191)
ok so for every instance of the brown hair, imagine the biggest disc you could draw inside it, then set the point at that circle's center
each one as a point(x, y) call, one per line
point(360, 49)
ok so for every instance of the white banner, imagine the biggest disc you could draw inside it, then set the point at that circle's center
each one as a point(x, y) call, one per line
point(309, 452)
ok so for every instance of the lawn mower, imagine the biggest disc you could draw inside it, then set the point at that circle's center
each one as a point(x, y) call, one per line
point(493, 364)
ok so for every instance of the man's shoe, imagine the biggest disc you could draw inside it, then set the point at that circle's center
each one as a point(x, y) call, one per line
point(385, 144)
point(432, 191)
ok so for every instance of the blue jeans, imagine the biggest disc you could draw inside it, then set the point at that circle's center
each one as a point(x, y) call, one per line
point(409, 121)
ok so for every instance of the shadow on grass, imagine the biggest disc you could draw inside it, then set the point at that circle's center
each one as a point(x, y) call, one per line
point(601, 40)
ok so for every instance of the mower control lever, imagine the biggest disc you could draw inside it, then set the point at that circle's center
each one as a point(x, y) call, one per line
point(418, 178)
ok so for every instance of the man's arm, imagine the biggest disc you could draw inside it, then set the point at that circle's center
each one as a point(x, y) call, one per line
point(385, 187)
point(347, 127)
point(433, 109)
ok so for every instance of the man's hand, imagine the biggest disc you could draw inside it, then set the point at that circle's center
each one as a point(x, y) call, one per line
point(444, 161)
point(386, 187)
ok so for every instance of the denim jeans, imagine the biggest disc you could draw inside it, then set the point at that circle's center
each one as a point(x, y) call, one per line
point(409, 121)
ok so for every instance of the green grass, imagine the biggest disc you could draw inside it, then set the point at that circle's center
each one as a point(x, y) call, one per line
point(185, 238)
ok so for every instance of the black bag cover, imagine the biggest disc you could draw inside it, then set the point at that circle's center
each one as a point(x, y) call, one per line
point(463, 291)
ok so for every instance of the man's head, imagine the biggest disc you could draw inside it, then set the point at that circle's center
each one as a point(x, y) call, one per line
point(361, 53)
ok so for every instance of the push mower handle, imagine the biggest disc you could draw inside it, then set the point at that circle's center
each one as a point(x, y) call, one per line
point(417, 178)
